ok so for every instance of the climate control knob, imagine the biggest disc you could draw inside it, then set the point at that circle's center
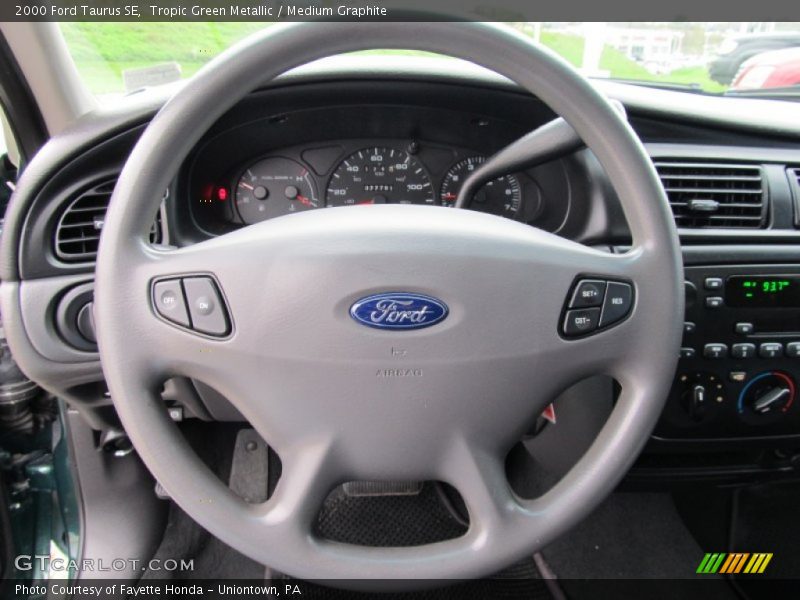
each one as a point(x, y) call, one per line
point(767, 397)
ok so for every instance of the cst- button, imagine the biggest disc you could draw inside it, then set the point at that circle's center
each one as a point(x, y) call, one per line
point(588, 293)
point(581, 321)
point(205, 306)
point(168, 301)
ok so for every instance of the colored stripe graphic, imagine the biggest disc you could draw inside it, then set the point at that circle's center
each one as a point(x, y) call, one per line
point(734, 563)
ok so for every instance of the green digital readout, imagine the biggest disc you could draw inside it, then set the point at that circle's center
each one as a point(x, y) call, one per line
point(763, 291)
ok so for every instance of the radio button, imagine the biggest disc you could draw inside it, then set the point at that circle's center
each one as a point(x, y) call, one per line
point(770, 350)
point(714, 302)
point(588, 293)
point(737, 376)
point(793, 349)
point(687, 353)
point(743, 350)
point(689, 327)
point(743, 328)
point(713, 283)
point(715, 351)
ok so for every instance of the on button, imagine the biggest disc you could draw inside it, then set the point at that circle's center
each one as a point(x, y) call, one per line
point(205, 305)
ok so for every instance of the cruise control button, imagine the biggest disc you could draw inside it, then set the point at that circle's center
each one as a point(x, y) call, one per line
point(579, 322)
point(687, 353)
point(770, 350)
point(588, 293)
point(689, 327)
point(617, 304)
point(793, 349)
point(743, 350)
point(715, 351)
point(714, 302)
point(168, 301)
point(205, 306)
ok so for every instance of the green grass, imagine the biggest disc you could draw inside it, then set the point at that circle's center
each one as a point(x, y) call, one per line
point(102, 51)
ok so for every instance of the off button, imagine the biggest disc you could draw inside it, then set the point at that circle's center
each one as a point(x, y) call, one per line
point(168, 301)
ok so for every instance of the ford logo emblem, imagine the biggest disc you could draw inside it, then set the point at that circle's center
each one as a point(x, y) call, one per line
point(398, 310)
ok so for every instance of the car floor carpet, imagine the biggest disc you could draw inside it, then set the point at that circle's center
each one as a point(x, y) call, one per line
point(635, 541)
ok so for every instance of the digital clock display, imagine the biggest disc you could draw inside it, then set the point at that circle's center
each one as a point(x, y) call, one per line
point(763, 291)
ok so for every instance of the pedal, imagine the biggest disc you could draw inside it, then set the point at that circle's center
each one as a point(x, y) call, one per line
point(250, 469)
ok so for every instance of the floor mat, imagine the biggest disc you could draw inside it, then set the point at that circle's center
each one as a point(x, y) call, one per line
point(632, 538)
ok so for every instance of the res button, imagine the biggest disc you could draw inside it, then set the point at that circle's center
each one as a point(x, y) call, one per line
point(617, 304)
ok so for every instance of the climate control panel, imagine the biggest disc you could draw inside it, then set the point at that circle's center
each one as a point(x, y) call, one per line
point(739, 364)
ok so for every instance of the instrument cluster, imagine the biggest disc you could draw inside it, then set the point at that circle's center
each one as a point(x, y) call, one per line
point(362, 172)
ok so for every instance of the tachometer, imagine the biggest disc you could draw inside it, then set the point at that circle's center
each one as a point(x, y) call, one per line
point(273, 187)
point(380, 176)
point(500, 196)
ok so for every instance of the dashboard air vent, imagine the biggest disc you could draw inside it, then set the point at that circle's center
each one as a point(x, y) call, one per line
point(78, 229)
point(715, 194)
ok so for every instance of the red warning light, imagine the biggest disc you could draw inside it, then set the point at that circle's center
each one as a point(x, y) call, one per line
point(222, 194)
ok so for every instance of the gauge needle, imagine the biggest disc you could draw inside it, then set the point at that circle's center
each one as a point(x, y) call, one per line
point(245, 185)
point(303, 200)
point(370, 201)
point(449, 196)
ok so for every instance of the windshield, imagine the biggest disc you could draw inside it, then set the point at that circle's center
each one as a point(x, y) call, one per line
point(760, 58)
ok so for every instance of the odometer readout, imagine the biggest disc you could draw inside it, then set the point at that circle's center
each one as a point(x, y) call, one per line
point(763, 291)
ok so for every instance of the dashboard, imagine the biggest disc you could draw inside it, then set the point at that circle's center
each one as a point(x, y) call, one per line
point(313, 142)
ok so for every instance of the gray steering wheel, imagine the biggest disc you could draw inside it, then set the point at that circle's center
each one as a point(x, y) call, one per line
point(313, 381)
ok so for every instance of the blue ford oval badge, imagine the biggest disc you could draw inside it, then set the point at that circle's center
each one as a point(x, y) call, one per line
point(398, 310)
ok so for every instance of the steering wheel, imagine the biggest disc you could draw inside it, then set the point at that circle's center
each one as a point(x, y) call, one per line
point(335, 399)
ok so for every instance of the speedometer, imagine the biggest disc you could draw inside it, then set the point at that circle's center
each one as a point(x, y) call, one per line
point(380, 176)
